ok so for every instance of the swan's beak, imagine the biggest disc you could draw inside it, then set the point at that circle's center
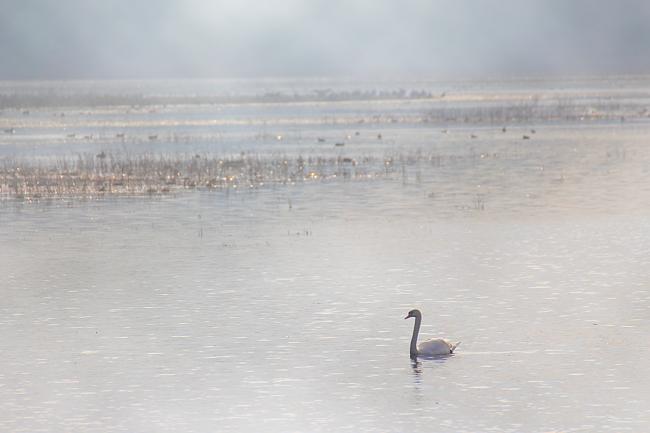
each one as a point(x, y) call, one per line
point(407, 317)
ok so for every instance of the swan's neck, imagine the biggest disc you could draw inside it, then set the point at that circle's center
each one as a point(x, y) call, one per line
point(414, 338)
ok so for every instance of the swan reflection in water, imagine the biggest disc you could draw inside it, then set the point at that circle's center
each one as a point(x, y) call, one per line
point(418, 395)
point(417, 365)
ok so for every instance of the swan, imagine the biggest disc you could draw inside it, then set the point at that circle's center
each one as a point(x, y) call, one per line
point(433, 347)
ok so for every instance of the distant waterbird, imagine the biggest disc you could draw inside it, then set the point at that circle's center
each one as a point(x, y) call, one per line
point(432, 347)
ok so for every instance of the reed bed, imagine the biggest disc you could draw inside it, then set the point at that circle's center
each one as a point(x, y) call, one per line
point(87, 175)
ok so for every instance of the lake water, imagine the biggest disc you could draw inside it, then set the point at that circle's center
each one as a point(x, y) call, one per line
point(280, 308)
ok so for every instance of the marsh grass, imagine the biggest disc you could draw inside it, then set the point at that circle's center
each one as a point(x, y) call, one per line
point(145, 174)
point(106, 173)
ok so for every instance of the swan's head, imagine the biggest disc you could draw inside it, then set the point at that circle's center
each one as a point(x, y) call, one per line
point(413, 313)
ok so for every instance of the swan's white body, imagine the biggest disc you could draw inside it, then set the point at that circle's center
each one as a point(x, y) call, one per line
point(436, 347)
point(433, 347)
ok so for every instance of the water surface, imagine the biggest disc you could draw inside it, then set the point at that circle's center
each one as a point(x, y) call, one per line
point(281, 308)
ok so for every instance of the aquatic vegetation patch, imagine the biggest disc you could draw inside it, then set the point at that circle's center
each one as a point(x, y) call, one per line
point(127, 174)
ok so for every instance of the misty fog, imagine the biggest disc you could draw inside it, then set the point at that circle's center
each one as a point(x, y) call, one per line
point(440, 39)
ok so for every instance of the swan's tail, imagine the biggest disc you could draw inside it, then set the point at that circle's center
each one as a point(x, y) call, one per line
point(454, 346)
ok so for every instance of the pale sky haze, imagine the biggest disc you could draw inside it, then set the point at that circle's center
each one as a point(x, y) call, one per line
point(437, 39)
